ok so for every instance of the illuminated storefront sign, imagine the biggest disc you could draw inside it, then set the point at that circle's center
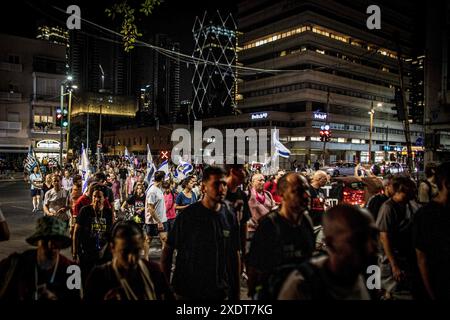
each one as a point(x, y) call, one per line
point(319, 116)
point(48, 144)
point(259, 116)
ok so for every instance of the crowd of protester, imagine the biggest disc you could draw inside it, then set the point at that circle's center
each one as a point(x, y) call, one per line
point(222, 229)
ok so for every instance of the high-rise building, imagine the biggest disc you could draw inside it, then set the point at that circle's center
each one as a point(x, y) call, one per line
point(324, 67)
point(417, 96)
point(165, 86)
point(437, 85)
point(214, 79)
point(53, 34)
point(90, 56)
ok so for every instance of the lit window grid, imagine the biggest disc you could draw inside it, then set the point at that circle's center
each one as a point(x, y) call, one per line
point(318, 30)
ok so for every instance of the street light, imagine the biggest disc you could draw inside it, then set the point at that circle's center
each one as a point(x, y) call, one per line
point(64, 83)
point(371, 113)
point(73, 87)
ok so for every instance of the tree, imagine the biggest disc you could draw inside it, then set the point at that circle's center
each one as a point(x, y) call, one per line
point(125, 11)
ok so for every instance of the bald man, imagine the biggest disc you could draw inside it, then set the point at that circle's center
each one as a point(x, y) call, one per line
point(351, 240)
point(284, 236)
point(318, 181)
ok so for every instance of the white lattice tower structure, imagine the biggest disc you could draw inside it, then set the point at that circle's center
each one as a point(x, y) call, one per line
point(214, 79)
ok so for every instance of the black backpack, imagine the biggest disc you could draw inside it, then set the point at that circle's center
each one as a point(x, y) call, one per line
point(313, 284)
point(272, 284)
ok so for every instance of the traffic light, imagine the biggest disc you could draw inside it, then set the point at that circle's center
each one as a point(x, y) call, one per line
point(65, 120)
point(325, 133)
point(328, 135)
point(59, 117)
point(399, 111)
point(322, 135)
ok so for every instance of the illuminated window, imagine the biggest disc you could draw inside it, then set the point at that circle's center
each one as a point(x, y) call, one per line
point(298, 138)
point(358, 141)
point(315, 138)
point(342, 140)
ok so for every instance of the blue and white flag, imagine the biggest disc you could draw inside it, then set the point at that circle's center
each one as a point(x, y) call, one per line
point(84, 169)
point(126, 154)
point(30, 161)
point(183, 169)
point(150, 167)
point(164, 167)
point(280, 149)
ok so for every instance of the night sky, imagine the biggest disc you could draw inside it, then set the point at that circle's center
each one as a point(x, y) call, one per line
point(173, 17)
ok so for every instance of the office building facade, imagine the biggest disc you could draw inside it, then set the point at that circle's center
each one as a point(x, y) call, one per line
point(326, 67)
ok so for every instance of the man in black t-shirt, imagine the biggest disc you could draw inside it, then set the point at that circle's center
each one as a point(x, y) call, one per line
point(431, 236)
point(206, 238)
point(238, 201)
point(284, 236)
point(398, 263)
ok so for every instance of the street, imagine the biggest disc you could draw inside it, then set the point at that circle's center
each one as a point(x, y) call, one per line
point(15, 202)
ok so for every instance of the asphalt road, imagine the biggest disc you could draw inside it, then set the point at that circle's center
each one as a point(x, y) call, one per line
point(15, 202)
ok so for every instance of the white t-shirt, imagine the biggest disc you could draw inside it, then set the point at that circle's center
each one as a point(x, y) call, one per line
point(155, 196)
point(36, 178)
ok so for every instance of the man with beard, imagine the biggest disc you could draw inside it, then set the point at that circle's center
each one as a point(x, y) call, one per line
point(350, 236)
point(206, 238)
point(41, 273)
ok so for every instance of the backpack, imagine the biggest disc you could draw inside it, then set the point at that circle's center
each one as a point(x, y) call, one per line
point(271, 286)
point(312, 284)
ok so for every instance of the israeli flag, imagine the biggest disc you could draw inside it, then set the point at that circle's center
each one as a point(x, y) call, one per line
point(186, 167)
point(164, 167)
point(280, 149)
point(30, 161)
point(150, 167)
point(84, 169)
point(126, 154)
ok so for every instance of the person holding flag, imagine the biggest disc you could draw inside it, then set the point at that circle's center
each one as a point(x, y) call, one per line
point(36, 178)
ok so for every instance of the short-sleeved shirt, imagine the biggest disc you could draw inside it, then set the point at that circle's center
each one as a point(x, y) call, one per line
point(138, 204)
point(155, 197)
point(95, 229)
point(431, 235)
point(395, 219)
point(278, 242)
point(182, 200)
point(169, 199)
point(67, 183)
point(36, 178)
point(56, 200)
point(239, 198)
point(206, 242)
